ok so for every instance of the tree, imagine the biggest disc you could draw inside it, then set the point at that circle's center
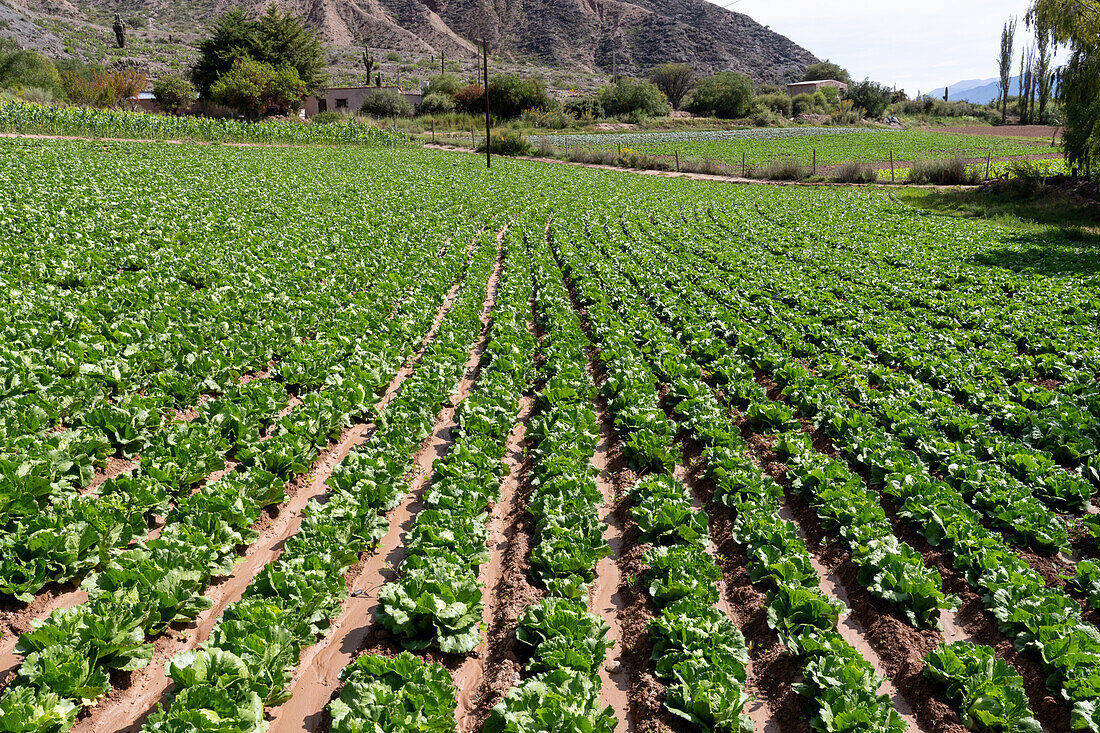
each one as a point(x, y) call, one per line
point(1043, 73)
point(725, 94)
point(436, 103)
point(21, 70)
point(283, 40)
point(826, 70)
point(174, 94)
point(102, 88)
point(251, 87)
point(871, 97)
point(277, 39)
point(1008, 40)
point(510, 95)
point(632, 96)
point(386, 103)
point(675, 80)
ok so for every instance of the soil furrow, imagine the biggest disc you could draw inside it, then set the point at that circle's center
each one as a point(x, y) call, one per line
point(470, 678)
point(126, 709)
point(353, 631)
point(605, 596)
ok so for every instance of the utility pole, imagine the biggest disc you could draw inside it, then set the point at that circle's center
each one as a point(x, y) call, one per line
point(488, 139)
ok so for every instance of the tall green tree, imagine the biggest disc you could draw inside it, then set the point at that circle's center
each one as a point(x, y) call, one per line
point(675, 80)
point(725, 94)
point(1076, 24)
point(1008, 41)
point(278, 39)
point(826, 70)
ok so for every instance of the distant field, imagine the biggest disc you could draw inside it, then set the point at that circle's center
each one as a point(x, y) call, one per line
point(833, 145)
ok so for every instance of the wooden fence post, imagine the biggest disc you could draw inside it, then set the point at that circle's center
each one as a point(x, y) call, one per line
point(742, 165)
point(892, 178)
point(988, 163)
point(815, 161)
point(677, 161)
point(473, 141)
point(433, 132)
point(620, 150)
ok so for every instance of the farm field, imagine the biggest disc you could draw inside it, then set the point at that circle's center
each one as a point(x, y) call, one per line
point(373, 439)
point(833, 145)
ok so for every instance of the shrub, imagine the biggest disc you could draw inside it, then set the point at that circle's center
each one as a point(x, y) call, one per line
point(174, 94)
point(854, 172)
point(764, 117)
point(551, 119)
point(770, 89)
point(25, 69)
point(583, 107)
point(778, 103)
point(137, 22)
point(446, 84)
point(328, 117)
point(948, 172)
point(394, 57)
point(507, 142)
point(386, 103)
point(436, 103)
point(871, 97)
point(725, 95)
point(102, 88)
point(252, 87)
point(470, 99)
point(826, 70)
point(802, 104)
point(510, 95)
point(787, 169)
point(628, 96)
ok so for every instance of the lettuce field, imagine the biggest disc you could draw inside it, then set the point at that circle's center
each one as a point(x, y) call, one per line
point(371, 439)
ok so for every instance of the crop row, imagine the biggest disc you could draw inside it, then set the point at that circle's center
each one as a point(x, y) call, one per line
point(247, 662)
point(839, 682)
point(1040, 618)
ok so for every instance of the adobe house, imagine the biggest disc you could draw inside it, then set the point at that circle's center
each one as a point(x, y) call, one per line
point(350, 99)
point(809, 87)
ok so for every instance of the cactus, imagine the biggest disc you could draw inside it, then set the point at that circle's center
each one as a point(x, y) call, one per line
point(120, 31)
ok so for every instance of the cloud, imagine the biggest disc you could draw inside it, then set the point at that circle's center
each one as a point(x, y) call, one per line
point(915, 45)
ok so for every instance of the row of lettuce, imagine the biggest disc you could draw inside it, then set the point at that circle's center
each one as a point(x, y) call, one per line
point(35, 119)
point(140, 582)
point(1040, 618)
point(248, 661)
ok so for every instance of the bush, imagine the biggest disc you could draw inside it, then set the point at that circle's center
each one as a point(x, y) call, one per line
point(470, 99)
point(507, 142)
point(328, 117)
point(826, 70)
point(510, 95)
point(778, 103)
point(446, 84)
point(725, 95)
point(787, 169)
point(21, 70)
point(394, 57)
point(174, 94)
point(802, 104)
point(854, 172)
point(251, 87)
point(551, 119)
point(632, 96)
point(583, 107)
point(948, 172)
point(674, 80)
point(137, 22)
point(436, 104)
point(871, 97)
point(386, 103)
point(770, 89)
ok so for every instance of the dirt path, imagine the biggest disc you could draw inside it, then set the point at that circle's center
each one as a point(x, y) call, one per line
point(605, 598)
point(126, 709)
point(317, 676)
point(469, 678)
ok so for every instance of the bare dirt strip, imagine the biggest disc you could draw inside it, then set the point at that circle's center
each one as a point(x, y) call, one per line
point(469, 678)
point(605, 597)
point(125, 709)
point(317, 678)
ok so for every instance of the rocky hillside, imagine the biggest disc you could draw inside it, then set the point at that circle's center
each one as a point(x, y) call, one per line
point(591, 36)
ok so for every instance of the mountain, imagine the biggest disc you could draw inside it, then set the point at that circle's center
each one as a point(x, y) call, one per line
point(979, 91)
point(583, 36)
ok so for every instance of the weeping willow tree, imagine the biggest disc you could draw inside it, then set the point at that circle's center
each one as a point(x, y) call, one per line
point(1076, 24)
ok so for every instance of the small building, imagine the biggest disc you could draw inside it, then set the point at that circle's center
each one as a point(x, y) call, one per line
point(809, 87)
point(350, 99)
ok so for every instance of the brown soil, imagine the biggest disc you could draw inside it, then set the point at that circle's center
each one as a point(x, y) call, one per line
point(126, 709)
point(470, 679)
point(353, 631)
point(1041, 131)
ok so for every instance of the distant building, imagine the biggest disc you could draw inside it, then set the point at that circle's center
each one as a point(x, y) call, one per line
point(809, 87)
point(350, 99)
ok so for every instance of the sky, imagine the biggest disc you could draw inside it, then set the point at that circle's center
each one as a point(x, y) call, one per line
point(918, 46)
